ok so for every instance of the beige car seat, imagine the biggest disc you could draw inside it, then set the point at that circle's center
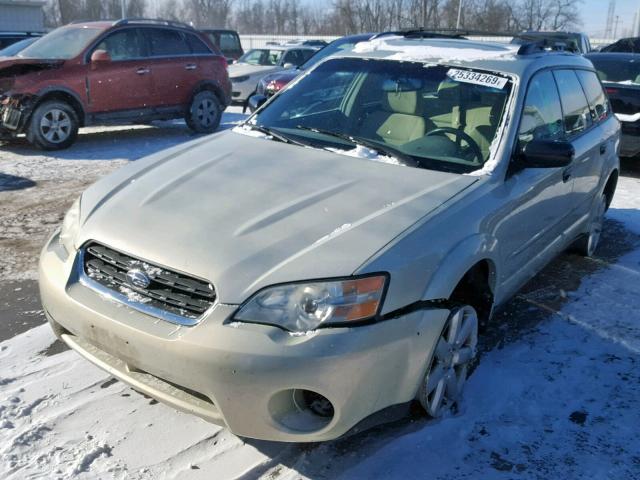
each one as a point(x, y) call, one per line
point(400, 122)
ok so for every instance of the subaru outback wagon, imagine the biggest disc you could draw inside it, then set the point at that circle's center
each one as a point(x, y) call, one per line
point(129, 71)
point(336, 254)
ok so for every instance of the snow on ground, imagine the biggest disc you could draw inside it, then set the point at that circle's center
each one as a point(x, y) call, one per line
point(556, 394)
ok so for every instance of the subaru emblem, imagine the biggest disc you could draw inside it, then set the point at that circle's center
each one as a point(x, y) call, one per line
point(138, 278)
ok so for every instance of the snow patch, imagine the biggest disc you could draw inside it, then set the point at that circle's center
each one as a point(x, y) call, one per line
point(335, 233)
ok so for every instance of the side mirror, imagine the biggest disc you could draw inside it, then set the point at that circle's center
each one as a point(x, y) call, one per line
point(289, 65)
point(546, 154)
point(256, 101)
point(100, 57)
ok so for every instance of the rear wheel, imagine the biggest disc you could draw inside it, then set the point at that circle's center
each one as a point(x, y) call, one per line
point(205, 113)
point(588, 243)
point(53, 125)
point(443, 383)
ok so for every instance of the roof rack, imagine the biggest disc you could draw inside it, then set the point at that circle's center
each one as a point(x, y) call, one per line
point(544, 45)
point(151, 21)
point(421, 33)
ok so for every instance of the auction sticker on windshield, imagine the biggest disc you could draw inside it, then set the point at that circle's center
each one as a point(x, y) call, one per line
point(467, 76)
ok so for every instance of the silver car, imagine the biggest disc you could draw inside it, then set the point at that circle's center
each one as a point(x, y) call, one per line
point(337, 253)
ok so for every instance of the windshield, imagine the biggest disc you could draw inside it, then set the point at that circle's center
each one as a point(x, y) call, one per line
point(261, 56)
point(618, 71)
point(334, 47)
point(63, 43)
point(13, 49)
point(409, 113)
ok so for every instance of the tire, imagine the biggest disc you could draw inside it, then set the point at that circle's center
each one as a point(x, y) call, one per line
point(455, 351)
point(204, 113)
point(588, 243)
point(53, 125)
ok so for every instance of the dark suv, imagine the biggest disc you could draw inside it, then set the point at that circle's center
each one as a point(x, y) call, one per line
point(128, 71)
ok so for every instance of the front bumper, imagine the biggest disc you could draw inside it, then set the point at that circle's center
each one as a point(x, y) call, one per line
point(14, 113)
point(246, 377)
point(241, 91)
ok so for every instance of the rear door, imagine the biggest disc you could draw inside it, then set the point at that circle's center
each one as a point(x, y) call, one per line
point(175, 69)
point(582, 131)
point(125, 82)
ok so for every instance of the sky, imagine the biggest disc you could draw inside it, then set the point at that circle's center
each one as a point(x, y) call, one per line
point(594, 15)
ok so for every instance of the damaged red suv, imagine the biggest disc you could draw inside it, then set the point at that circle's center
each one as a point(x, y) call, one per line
point(96, 73)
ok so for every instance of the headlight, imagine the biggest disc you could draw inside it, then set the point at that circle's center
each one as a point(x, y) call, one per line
point(243, 78)
point(70, 227)
point(301, 307)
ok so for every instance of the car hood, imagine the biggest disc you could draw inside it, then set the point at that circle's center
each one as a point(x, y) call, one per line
point(240, 69)
point(19, 65)
point(245, 212)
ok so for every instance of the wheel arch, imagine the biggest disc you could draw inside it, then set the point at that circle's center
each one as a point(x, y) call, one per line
point(209, 85)
point(610, 186)
point(65, 95)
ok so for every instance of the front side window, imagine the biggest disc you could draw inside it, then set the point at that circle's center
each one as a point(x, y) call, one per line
point(595, 95)
point(63, 43)
point(425, 116)
point(542, 114)
point(577, 115)
point(123, 45)
point(166, 43)
point(261, 56)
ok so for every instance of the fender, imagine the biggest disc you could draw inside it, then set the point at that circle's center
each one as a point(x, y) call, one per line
point(458, 261)
point(67, 91)
point(211, 84)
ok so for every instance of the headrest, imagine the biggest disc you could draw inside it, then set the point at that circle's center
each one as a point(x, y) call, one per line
point(403, 102)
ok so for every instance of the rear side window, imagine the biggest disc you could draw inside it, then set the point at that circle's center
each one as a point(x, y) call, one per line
point(577, 114)
point(165, 42)
point(229, 41)
point(196, 45)
point(123, 45)
point(542, 114)
point(595, 95)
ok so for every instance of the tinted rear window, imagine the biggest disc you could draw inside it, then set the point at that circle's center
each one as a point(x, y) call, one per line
point(197, 46)
point(229, 41)
point(577, 115)
point(621, 70)
point(165, 42)
point(595, 95)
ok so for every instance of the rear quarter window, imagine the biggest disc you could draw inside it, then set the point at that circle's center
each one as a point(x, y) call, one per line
point(575, 108)
point(196, 45)
point(165, 42)
point(596, 97)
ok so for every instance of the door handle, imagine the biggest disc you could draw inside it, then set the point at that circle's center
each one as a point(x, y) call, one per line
point(142, 71)
point(566, 175)
point(190, 66)
point(603, 149)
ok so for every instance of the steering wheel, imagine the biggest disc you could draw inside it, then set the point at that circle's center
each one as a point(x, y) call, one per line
point(460, 135)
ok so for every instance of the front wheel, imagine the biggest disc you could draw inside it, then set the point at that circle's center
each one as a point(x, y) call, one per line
point(53, 125)
point(204, 113)
point(456, 348)
point(588, 243)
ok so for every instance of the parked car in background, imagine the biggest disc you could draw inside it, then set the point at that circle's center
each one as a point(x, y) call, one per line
point(570, 41)
point(624, 45)
point(272, 83)
point(17, 47)
point(336, 254)
point(128, 71)
point(620, 75)
point(258, 62)
point(227, 41)
point(307, 43)
point(9, 38)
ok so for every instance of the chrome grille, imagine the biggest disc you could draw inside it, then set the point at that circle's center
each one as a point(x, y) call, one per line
point(169, 291)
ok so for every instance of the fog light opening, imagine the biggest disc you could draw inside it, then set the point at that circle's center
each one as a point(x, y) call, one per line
point(318, 404)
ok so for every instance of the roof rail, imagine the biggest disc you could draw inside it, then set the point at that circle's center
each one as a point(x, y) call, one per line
point(151, 21)
point(544, 45)
point(420, 33)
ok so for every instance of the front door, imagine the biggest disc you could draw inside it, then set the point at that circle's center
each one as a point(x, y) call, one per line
point(125, 82)
point(540, 207)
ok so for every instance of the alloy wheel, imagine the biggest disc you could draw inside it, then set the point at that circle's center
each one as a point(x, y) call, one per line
point(206, 112)
point(597, 224)
point(55, 125)
point(454, 353)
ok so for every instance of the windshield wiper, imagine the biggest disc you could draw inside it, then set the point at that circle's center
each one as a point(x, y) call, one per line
point(272, 133)
point(364, 142)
